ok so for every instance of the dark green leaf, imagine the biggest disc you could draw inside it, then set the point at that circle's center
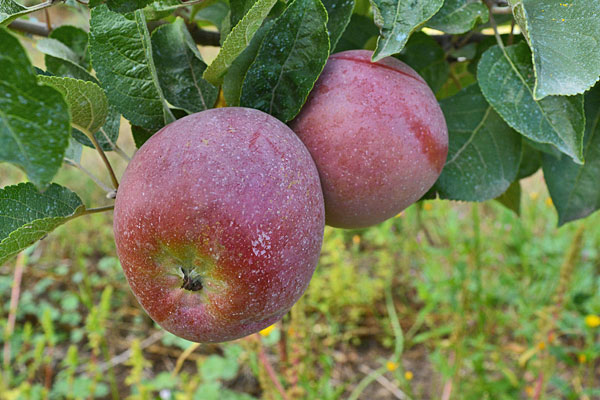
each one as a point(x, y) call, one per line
point(35, 123)
point(239, 8)
point(125, 6)
point(564, 37)
point(574, 188)
point(87, 102)
point(179, 68)
point(397, 20)
point(459, 16)
point(27, 215)
point(140, 135)
point(531, 161)
point(238, 40)
point(511, 199)
point(215, 14)
point(122, 57)
point(289, 61)
point(357, 33)
point(507, 83)
point(232, 84)
point(339, 13)
point(484, 152)
point(426, 57)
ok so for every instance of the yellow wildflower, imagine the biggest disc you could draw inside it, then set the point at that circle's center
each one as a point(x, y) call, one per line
point(408, 375)
point(267, 331)
point(593, 321)
point(391, 366)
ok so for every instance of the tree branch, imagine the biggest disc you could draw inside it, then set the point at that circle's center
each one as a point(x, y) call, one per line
point(200, 36)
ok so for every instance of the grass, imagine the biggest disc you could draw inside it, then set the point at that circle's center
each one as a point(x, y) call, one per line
point(445, 301)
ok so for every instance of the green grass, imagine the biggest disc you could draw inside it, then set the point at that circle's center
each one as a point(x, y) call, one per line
point(491, 306)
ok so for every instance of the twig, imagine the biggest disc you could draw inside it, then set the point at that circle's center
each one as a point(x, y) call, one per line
point(14, 303)
point(88, 173)
point(200, 36)
point(383, 381)
point(28, 26)
point(270, 371)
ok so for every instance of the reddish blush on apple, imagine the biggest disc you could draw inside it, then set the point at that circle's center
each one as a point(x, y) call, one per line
point(377, 135)
point(219, 223)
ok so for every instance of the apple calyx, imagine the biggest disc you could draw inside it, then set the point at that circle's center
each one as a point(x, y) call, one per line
point(192, 280)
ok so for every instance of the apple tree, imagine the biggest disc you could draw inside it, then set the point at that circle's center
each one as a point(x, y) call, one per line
point(516, 81)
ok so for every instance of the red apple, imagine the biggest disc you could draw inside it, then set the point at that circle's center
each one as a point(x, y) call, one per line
point(219, 223)
point(377, 135)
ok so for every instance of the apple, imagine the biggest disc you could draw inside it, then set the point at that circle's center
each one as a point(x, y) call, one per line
point(219, 222)
point(377, 135)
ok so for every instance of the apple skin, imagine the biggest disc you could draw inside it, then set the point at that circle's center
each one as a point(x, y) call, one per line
point(219, 223)
point(377, 135)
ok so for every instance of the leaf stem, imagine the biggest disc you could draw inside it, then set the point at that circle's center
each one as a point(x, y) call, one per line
point(97, 210)
point(111, 172)
point(115, 146)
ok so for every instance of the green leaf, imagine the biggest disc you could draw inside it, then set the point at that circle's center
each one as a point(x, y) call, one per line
point(484, 153)
point(61, 60)
point(397, 20)
point(511, 199)
point(289, 61)
point(507, 81)
point(575, 188)
point(239, 8)
point(564, 37)
point(339, 13)
point(73, 152)
point(357, 33)
point(531, 161)
point(238, 40)
point(459, 16)
point(216, 14)
point(140, 135)
point(76, 40)
point(426, 57)
point(27, 215)
point(122, 57)
point(87, 102)
point(70, 62)
point(234, 78)
point(35, 123)
point(125, 6)
point(179, 67)
point(11, 10)
point(107, 135)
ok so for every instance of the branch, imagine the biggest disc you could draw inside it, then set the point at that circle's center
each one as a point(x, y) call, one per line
point(200, 36)
point(28, 26)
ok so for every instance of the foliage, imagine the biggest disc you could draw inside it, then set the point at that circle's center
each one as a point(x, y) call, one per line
point(514, 104)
